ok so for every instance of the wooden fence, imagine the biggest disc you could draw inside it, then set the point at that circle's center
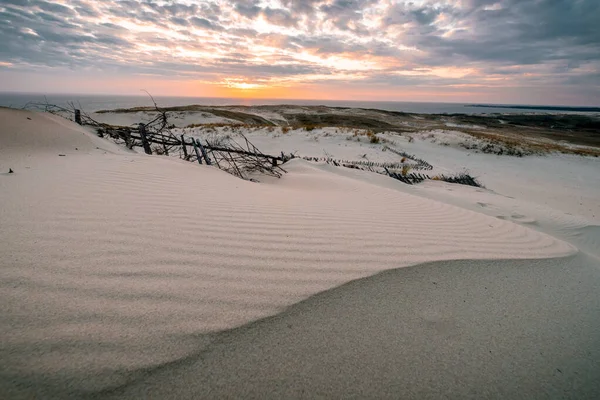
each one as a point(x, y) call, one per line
point(245, 158)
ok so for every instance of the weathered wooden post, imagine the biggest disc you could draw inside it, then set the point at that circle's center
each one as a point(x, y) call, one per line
point(184, 146)
point(197, 151)
point(78, 116)
point(128, 141)
point(204, 152)
point(145, 143)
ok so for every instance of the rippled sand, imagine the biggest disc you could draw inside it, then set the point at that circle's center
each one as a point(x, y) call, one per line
point(115, 263)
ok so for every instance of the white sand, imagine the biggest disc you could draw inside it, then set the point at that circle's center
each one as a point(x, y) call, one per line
point(114, 261)
point(451, 329)
point(564, 183)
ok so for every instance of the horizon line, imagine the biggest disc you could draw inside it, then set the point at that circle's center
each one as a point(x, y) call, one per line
point(301, 99)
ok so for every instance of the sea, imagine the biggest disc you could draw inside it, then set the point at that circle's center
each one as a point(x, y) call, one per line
point(93, 103)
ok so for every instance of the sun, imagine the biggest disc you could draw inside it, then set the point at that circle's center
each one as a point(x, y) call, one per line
point(241, 84)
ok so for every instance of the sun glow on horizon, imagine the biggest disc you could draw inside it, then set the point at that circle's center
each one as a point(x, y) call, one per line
point(235, 83)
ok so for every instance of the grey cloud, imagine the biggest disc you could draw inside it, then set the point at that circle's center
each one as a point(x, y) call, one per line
point(520, 32)
point(416, 16)
point(279, 17)
point(20, 3)
point(173, 9)
point(326, 44)
point(88, 12)
point(560, 36)
point(179, 21)
point(307, 7)
point(589, 80)
point(113, 26)
point(204, 23)
point(52, 7)
point(247, 8)
point(344, 12)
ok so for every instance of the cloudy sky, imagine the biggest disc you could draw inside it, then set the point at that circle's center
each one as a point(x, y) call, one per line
point(502, 51)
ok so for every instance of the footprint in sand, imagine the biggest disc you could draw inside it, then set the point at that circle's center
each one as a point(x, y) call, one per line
point(515, 217)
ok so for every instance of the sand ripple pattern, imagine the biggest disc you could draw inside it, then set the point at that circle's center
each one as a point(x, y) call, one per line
point(116, 262)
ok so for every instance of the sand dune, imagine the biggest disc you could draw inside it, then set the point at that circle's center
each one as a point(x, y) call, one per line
point(114, 261)
point(450, 329)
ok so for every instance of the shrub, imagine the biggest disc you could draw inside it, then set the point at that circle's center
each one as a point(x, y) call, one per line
point(285, 129)
point(406, 169)
point(372, 137)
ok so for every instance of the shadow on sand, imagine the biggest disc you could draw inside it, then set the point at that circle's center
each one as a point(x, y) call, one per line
point(455, 329)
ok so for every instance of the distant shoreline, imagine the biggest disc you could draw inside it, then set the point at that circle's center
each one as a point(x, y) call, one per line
point(547, 108)
point(93, 103)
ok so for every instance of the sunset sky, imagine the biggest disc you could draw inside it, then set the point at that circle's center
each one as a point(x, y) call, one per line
point(494, 51)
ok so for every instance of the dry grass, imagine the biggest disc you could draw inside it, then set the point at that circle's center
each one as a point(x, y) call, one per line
point(530, 145)
point(405, 170)
point(373, 138)
point(232, 126)
point(215, 125)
